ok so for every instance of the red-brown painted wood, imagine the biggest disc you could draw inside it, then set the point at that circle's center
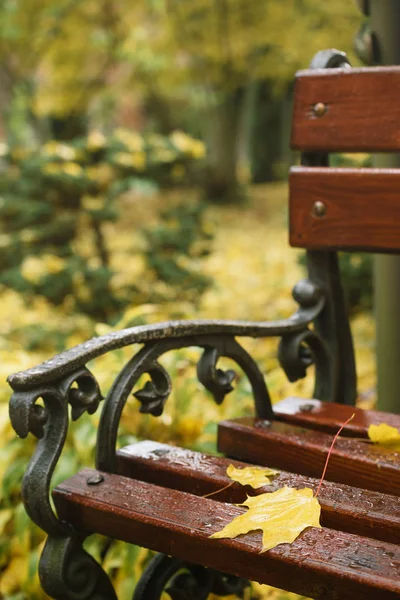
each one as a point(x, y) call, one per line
point(362, 110)
point(304, 451)
point(362, 208)
point(179, 524)
point(330, 416)
point(370, 514)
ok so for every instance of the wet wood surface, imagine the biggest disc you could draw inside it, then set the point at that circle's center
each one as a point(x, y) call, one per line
point(361, 110)
point(330, 416)
point(345, 508)
point(361, 208)
point(319, 562)
point(304, 451)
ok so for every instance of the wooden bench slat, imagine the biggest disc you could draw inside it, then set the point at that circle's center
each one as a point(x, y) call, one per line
point(289, 447)
point(370, 514)
point(179, 524)
point(329, 416)
point(362, 208)
point(362, 110)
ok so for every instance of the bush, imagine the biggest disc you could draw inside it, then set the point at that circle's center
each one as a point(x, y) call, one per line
point(174, 253)
point(47, 190)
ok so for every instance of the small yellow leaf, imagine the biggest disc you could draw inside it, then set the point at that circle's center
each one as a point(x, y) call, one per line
point(281, 515)
point(385, 435)
point(256, 477)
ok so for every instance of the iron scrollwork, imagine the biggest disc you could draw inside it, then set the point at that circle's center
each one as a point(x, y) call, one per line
point(64, 383)
point(156, 392)
point(71, 360)
point(216, 381)
point(153, 397)
point(66, 571)
point(298, 351)
point(185, 581)
point(49, 423)
point(218, 339)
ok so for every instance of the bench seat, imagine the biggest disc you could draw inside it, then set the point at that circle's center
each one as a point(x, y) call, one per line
point(320, 562)
point(284, 446)
point(330, 416)
point(344, 507)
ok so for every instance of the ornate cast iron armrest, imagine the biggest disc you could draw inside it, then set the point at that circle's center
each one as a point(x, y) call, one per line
point(65, 381)
point(310, 298)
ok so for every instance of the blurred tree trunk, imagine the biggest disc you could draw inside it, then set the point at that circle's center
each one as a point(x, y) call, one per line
point(223, 129)
point(67, 128)
point(268, 132)
point(159, 110)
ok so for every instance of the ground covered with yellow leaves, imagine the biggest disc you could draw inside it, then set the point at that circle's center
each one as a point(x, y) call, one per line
point(254, 270)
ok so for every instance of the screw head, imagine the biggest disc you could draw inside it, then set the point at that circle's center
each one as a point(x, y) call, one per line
point(95, 479)
point(319, 209)
point(319, 109)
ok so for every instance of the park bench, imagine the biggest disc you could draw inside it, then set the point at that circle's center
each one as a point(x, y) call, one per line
point(170, 499)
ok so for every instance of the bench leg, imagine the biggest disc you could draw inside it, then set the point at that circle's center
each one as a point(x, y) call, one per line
point(68, 572)
point(185, 581)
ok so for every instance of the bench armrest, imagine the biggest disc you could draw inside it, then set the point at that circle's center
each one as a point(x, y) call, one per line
point(65, 380)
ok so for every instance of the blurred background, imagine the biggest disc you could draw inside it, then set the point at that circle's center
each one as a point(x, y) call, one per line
point(144, 151)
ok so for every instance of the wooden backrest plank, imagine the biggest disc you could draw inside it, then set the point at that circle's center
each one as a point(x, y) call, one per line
point(372, 515)
point(179, 524)
point(345, 209)
point(285, 446)
point(362, 110)
point(330, 416)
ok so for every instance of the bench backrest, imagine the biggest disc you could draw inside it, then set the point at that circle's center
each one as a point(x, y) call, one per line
point(345, 110)
point(340, 109)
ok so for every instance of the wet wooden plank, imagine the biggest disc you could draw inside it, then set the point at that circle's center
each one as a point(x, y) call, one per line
point(179, 524)
point(368, 513)
point(362, 110)
point(330, 416)
point(362, 209)
point(304, 451)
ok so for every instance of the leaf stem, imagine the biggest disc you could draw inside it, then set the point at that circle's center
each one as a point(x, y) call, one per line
point(330, 451)
point(218, 491)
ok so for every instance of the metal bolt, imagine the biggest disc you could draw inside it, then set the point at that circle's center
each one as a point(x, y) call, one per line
point(319, 109)
point(95, 479)
point(319, 209)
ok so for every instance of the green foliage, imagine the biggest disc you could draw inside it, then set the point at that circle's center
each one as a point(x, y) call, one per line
point(356, 270)
point(350, 160)
point(174, 253)
point(50, 192)
point(180, 61)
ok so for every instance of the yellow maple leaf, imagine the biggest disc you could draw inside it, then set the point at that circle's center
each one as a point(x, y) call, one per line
point(256, 477)
point(385, 435)
point(281, 515)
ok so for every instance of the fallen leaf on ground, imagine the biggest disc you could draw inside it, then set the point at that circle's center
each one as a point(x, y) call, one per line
point(256, 477)
point(385, 435)
point(281, 515)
